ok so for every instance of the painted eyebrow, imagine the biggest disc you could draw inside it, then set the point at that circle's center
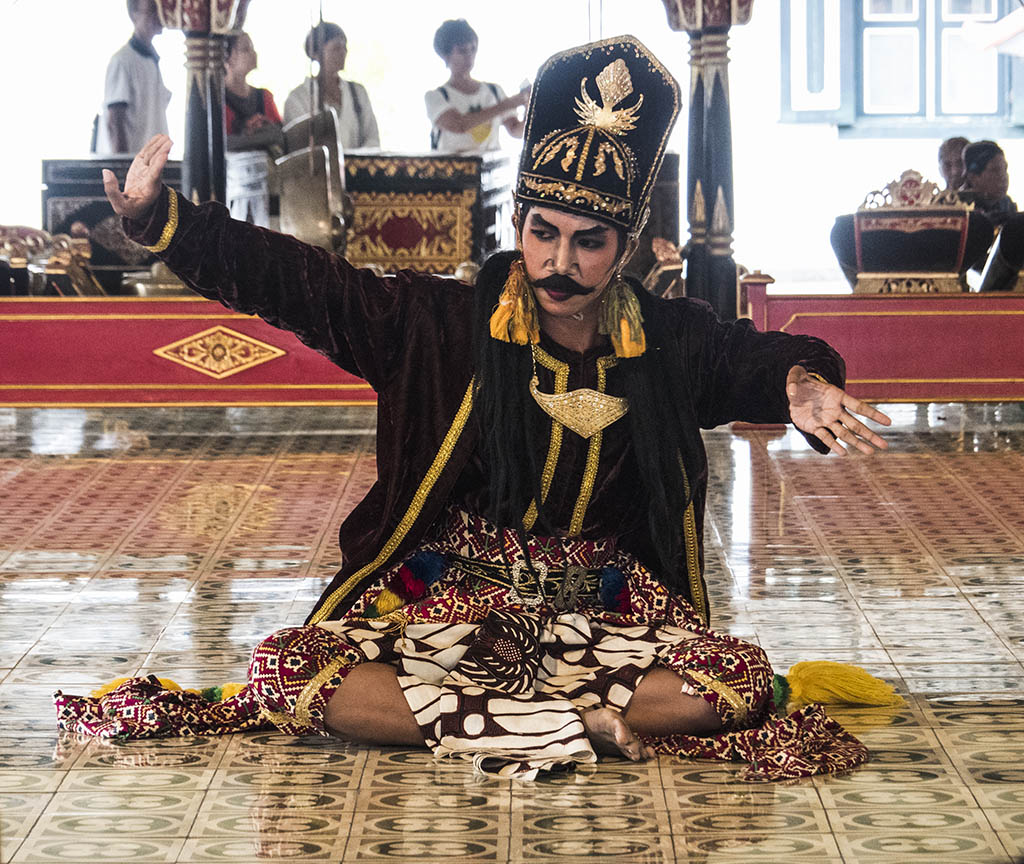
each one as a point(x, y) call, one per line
point(596, 231)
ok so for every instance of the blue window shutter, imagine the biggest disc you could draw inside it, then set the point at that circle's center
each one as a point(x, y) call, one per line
point(818, 61)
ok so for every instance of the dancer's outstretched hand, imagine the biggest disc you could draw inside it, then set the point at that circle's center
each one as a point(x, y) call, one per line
point(142, 185)
point(826, 411)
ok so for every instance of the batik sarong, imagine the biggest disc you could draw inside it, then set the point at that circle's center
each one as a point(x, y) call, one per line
point(501, 640)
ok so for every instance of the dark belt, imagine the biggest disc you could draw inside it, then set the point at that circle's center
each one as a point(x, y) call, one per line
point(562, 589)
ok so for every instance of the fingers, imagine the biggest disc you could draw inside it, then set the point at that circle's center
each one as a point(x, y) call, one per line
point(861, 434)
point(113, 192)
point(159, 157)
point(869, 411)
point(823, 434)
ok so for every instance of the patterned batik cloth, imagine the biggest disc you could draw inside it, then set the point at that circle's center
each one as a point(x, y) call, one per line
point(502, 640)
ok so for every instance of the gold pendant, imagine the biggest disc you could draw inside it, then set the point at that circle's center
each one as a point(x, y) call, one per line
point(585, 411)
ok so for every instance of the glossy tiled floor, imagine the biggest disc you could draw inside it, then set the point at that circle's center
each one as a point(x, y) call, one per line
point(170, 540)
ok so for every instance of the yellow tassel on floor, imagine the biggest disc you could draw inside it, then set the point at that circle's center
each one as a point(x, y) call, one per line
point(229, 690)
point(226, 690)
point(166, 683)
point(837, 684)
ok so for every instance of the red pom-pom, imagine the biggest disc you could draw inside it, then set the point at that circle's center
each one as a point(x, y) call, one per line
point(412, 587)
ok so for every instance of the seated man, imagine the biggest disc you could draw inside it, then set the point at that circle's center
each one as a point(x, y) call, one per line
point(987, 181)
point(986, 184)
point(951, 161)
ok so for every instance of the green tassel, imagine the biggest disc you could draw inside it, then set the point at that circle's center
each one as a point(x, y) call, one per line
point(780, 693)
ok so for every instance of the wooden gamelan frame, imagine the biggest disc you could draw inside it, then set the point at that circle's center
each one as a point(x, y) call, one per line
point(910, 347)
point(103, 351)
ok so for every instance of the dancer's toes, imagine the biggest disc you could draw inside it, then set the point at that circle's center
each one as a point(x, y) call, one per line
point(609, 734)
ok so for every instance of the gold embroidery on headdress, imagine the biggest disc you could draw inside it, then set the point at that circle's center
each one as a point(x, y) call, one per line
point(613, 84)
point(603, 120)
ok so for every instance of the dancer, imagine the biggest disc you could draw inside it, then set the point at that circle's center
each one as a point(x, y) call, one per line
point(523, 585)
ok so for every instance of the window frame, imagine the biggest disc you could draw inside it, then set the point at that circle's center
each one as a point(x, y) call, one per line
point(844, 73)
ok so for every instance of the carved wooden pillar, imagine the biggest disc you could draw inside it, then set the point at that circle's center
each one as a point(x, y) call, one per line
point(203, 172)
point(710, 268)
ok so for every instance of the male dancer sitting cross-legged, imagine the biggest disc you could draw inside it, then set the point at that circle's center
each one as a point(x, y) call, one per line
point(523, 585)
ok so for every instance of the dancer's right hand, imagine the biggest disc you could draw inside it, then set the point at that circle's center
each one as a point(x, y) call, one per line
point(142, 185)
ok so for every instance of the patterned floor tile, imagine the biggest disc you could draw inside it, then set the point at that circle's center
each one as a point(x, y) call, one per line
point(434, 848)
point(124, 779)
point(576, 846)
point(756, 846)
point(288, 778)
point(928, 845)
point(85, 849)
point(745, 821)
point(186, 593)
point(266, 820)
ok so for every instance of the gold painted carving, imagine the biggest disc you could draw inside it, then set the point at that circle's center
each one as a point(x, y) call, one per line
point(417, 167)
point(219, 352)
point(912, 224)
point(445, 217)
point(912, 190)
point(909, 283)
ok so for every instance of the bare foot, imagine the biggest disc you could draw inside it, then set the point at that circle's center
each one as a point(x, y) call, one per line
point(609, 735)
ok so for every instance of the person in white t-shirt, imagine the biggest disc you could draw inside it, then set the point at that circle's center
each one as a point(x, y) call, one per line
point(134, 96)
point(328, 45)
point(466, 114)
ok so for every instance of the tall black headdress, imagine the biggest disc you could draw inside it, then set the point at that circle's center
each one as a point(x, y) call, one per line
point(596, 129)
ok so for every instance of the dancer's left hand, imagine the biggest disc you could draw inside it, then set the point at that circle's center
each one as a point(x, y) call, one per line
point(827, 412)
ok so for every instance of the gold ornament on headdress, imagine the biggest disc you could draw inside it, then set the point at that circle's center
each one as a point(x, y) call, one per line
point(515, 317)
point(585, 411)
point(596, 136)
point(613, 84)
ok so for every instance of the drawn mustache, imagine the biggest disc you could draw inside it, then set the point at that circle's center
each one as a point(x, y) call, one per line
point(563, 284)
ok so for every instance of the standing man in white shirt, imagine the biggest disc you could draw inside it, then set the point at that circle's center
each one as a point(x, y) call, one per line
point(134, 96)
point(466, 114)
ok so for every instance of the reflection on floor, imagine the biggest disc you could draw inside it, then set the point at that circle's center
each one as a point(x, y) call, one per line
point(170, 540)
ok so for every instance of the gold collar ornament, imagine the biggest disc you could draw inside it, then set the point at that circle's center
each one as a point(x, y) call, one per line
point(585, 411)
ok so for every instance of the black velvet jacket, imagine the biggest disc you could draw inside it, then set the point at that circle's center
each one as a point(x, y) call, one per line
point(410, 337)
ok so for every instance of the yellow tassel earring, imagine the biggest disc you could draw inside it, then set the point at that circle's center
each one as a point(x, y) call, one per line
point(515, 317)
point(621, 319)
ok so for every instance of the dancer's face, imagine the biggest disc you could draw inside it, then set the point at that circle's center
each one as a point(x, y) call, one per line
point(569, 259)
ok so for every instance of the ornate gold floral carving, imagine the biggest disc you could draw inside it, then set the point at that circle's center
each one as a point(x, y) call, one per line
point(425, 167)
point(445, 220)
point(912, 224)
point(219, 352)
point(909, 283)
point(912, 190)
